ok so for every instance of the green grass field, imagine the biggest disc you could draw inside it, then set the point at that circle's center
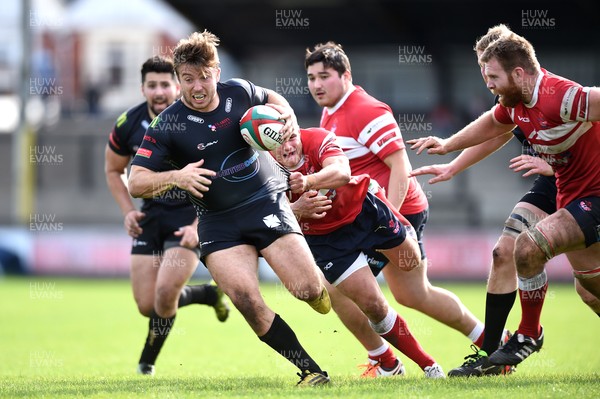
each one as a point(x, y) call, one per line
point(67, 338)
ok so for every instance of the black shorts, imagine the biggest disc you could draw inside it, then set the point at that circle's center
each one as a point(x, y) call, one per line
point(258, 223)
point(159, 227)
point(586, 212)
point(377, 260)
point(375, 227)
point(542, 194)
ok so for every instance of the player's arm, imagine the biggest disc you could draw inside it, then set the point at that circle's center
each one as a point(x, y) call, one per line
point(146, 183)
point(467, 158)
point(399, 176)
point(115, 167)
point(287, 113)
point(335, 173)
point(482, 129)
point(594, 104)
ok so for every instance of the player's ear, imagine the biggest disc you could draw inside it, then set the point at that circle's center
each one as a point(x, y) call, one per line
point(218, 77)
point(347, 76)
point(518, 74)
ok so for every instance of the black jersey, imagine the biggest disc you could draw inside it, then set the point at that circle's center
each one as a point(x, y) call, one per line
point(125, 139)
point(180, 135)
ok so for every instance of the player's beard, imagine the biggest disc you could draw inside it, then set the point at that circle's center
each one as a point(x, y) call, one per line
point(512, 95)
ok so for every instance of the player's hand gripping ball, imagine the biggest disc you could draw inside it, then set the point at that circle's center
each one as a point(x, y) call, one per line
point(260, 127)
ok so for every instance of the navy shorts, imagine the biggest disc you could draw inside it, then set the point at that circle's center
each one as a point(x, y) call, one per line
point(375, 227)
point(159, 227)
point(542, 194)
point(586, 212)
point(377, 260)
point(258, 223)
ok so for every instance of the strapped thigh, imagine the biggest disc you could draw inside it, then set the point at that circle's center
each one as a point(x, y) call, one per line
point(521, 219)
point(586, 274)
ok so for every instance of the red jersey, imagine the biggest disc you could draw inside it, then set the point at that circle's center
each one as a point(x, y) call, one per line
point(556, 124)
point(347, 200)
point(368, 132)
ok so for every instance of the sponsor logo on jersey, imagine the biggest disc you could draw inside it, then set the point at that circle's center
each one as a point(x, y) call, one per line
point(145, 124)
point(523, 118)
point(328, 266)
point(139, 243)
point(150, 139)
point(203, 146)
point(144, 152)
point(225, 123)
point(228, 104)
point(241, 169)
point(195, 118)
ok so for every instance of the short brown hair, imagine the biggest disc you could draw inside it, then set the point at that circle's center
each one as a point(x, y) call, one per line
point(492, 34)
point(331, 55)
point(158, 64)
point(199, 49)
point(512, 51)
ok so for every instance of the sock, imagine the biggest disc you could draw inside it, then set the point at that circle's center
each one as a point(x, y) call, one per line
point(384, 355)
point(497, 308)
point(158, 331)
point(394, 329)
point(532, 293)
point(204, 294)
point(476, 336)
point(283, 340)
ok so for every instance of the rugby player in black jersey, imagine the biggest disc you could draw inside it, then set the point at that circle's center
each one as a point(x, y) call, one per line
point(165, 250)
point(240, 200)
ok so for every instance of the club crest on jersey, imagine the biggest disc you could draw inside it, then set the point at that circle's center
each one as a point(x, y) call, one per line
point(586, 205)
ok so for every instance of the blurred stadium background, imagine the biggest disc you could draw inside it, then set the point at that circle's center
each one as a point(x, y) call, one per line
point(68, 68)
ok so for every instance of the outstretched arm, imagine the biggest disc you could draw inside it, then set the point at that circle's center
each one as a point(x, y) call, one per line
point(482, 129)
point(466, 159)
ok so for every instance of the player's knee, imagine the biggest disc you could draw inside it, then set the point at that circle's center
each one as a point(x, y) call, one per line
point(529, 257)
point(166, 298)
point(374, 307)
point(503, 255)
point(248, 305)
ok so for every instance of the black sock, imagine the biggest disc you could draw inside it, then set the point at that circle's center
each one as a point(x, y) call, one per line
point(158, 331)
point(204, 294)
point(497, 308)
point(282, 339)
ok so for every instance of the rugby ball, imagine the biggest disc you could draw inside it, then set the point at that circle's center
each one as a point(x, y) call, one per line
point(260, 127)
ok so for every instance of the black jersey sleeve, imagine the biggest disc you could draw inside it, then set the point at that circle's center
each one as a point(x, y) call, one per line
point(258, 95)
point(153, 153)
point(117, 140)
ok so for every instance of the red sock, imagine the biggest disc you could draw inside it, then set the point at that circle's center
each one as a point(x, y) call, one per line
point(400, 337)
point(531, 306)
point(479, 341)
point(387, 359)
